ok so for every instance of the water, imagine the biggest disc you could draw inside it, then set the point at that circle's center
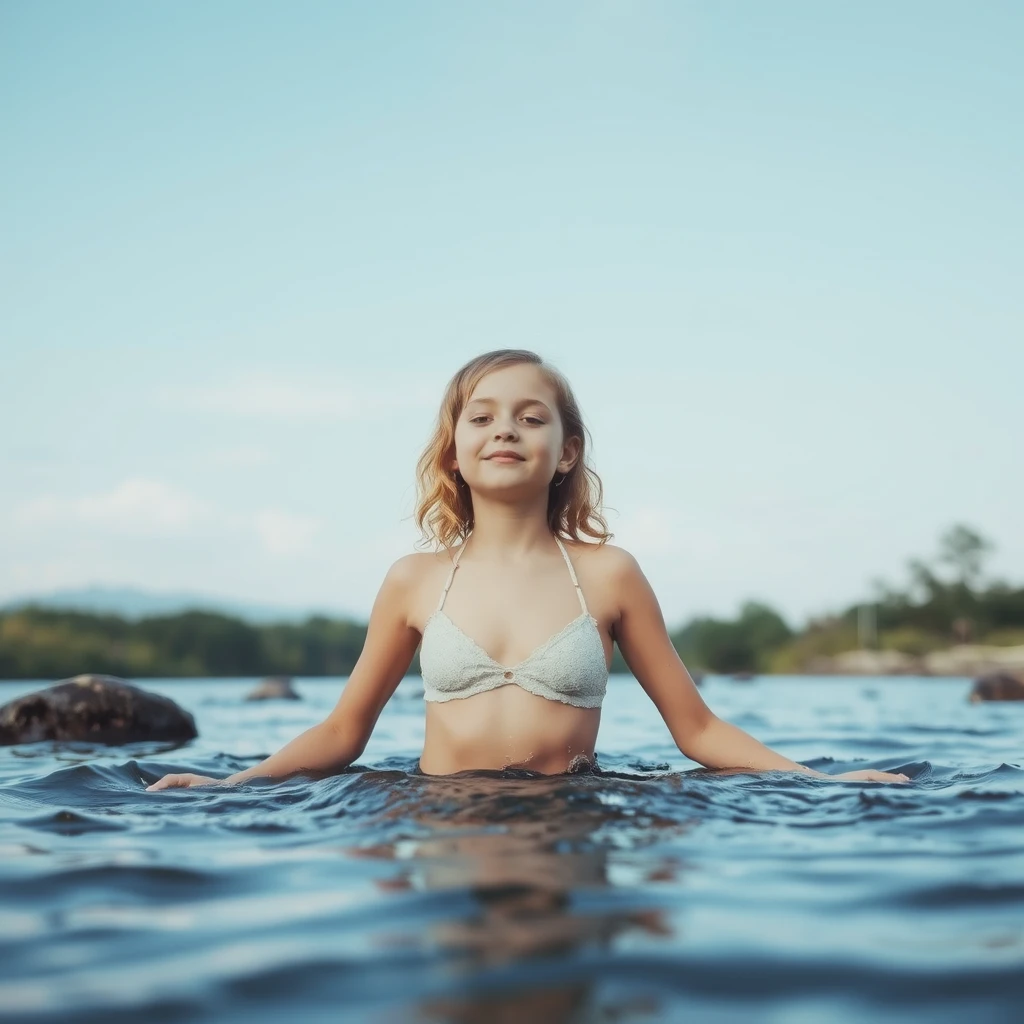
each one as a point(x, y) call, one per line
point(651, 892)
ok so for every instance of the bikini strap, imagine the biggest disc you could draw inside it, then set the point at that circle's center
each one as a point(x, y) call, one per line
point(572, 573)
point(451, 575)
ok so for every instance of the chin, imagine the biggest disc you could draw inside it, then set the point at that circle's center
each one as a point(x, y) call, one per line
point(512, 490)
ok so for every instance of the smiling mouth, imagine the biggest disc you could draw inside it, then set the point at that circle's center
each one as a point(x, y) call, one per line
point(505, 457)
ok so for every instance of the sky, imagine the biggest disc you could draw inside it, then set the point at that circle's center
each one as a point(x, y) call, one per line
point(776, 249)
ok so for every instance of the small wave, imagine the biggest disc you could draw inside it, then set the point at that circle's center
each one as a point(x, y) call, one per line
point(952, 895)
point(650, 886)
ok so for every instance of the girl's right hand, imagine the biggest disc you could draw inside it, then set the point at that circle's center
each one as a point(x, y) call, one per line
point(184, 781)
point(870, 775)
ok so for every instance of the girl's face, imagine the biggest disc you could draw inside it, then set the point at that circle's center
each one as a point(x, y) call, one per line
point(509, 437)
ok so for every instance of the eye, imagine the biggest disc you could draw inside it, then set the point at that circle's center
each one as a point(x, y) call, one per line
point(534, 419)
point(481, 418)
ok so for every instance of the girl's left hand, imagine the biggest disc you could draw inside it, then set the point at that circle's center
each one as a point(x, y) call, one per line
point(870, 775)
point(184, 781)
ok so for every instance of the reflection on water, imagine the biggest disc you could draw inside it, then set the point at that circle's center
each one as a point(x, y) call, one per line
point(522, 847)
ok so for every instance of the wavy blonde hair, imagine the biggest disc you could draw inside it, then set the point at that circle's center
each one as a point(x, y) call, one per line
point(444, 510)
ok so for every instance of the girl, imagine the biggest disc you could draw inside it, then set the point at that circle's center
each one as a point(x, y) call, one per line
point(516, 613)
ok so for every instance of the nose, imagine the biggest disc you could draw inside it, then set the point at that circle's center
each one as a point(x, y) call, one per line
point(504, 431)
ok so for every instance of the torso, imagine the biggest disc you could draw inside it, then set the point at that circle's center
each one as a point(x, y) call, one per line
point(509, 618)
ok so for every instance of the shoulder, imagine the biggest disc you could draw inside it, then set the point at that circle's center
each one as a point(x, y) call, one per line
point(412, 583)
point(608, 560)
point(613, 579)
point(413, 569)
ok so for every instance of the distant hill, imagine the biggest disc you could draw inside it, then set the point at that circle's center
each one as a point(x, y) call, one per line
point(131, 603)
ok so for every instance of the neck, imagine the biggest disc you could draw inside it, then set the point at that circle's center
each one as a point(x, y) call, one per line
point(508, 531)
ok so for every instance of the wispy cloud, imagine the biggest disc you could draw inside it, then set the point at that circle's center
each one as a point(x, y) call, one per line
point(239, 457)
point(140, 505)
point(147, 507)
point(282, 533)
point(266, 396)
point(658, 530)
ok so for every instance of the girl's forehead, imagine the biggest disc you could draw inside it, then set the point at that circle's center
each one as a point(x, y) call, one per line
point(524, 380)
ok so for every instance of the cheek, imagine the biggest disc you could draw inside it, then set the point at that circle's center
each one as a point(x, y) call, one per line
point(465, 439)
point(552, 442)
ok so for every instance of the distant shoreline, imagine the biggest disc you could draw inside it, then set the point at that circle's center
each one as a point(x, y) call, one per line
point(702, 678)
point(960, 660)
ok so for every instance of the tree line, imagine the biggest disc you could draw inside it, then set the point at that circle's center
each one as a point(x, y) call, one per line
point(45, 643)
point(945, 602)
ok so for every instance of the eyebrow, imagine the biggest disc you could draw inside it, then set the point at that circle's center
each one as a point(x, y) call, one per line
point(520, 404)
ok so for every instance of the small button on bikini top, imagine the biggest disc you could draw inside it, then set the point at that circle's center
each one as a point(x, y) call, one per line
point(569, 667)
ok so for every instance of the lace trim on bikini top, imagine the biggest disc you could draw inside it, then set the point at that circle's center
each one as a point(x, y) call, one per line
point(569, 667)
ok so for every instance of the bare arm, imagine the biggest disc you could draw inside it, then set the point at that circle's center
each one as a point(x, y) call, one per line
point(342, 736)
point(696, 730)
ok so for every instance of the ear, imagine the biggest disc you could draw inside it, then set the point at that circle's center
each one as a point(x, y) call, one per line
point(570, 454)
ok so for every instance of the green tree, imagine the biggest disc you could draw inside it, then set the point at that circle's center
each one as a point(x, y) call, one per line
point(744, 644)
point(964, 551)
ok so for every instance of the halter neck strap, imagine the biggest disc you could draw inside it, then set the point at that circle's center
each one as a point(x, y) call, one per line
point(451, 575)
point(572, 573)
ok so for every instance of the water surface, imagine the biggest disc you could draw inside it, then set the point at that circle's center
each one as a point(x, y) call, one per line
point(652, 891)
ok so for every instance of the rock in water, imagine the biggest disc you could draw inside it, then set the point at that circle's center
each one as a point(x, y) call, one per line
point(274, 688)
point(95, 709)
point(997, 686)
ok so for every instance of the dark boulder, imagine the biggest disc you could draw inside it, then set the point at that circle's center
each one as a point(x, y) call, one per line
point(274, 688)
point(94, 709)
point(997, 686)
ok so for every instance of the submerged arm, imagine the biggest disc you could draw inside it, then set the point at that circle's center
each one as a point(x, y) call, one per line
point(338, 740)
point(696, 730)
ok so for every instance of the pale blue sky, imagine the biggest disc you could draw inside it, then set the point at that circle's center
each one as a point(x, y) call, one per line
point(776, 247)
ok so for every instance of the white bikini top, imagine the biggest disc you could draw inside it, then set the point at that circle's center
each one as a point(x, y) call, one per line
point(569, 667)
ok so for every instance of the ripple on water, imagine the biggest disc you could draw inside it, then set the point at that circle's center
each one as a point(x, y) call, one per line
point(645, 891)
